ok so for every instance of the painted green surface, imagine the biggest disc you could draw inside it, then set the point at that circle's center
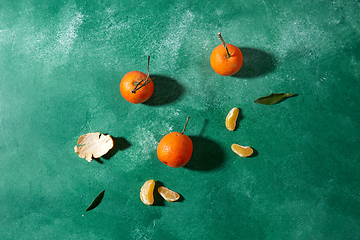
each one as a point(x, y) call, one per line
point(60, 67)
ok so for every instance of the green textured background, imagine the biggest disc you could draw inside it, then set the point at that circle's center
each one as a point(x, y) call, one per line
point(60, 67)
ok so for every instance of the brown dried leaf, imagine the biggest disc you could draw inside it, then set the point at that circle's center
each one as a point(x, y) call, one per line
point(93, 145)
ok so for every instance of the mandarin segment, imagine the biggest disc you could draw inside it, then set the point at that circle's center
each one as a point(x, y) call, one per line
point(147, 192)
point(242, 151)
point(168, 194)
point(230, 121)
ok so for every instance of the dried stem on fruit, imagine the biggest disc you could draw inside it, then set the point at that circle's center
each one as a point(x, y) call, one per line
point(187, 120)
point(143, 82)
point(223, 42)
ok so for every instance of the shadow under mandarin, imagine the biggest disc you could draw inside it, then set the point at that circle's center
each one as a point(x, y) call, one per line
point(256, 63)
point(207, 154)
point(120, 144)
point(166, 90)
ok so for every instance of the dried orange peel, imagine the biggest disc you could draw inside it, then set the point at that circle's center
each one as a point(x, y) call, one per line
point(230, 121)
point(147, 192)
point(93, 145)
point(168, 194)
point(242, 151)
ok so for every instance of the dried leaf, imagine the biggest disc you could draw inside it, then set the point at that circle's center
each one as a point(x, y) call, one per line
point(93, 145)
point(96, 201)
point(273, 98)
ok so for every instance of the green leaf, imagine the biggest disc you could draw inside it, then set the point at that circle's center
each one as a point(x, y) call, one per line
point(96, 201)
point(273, 98)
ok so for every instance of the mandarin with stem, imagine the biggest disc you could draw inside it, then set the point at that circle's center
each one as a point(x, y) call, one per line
point(175, 149)
point(137, 87)
point(226, 59)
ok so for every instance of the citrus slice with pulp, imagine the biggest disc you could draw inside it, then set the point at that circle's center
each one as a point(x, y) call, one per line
point(241, 150)
point(230, 121)
point(168, 194)
point(147, 192)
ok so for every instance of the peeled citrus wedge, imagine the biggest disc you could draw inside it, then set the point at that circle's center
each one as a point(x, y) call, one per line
point(241, 150)
point(230, 121)
point(168, 194)
point(147, 192)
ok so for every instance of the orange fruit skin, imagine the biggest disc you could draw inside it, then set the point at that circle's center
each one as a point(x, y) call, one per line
point(128, 83)
point(226, 66)
point(175, 149)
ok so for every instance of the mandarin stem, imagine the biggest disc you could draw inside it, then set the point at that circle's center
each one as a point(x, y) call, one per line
point(142, 81)
point(223, 42)
point(187, 120)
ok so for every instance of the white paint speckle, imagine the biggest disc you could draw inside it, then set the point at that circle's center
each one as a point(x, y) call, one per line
point(219, 12)
point(68, 33)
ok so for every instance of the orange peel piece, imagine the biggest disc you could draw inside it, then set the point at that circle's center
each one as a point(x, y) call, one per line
point(93, 145)
point(168, 194)
point(242, 151)
point(147, 192)
point(230, 121)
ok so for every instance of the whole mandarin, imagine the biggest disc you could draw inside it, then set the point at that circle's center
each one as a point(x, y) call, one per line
point(130, 81)
point(226, 59)
point(175, 149)
point(137, 87)
point(223, 65)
